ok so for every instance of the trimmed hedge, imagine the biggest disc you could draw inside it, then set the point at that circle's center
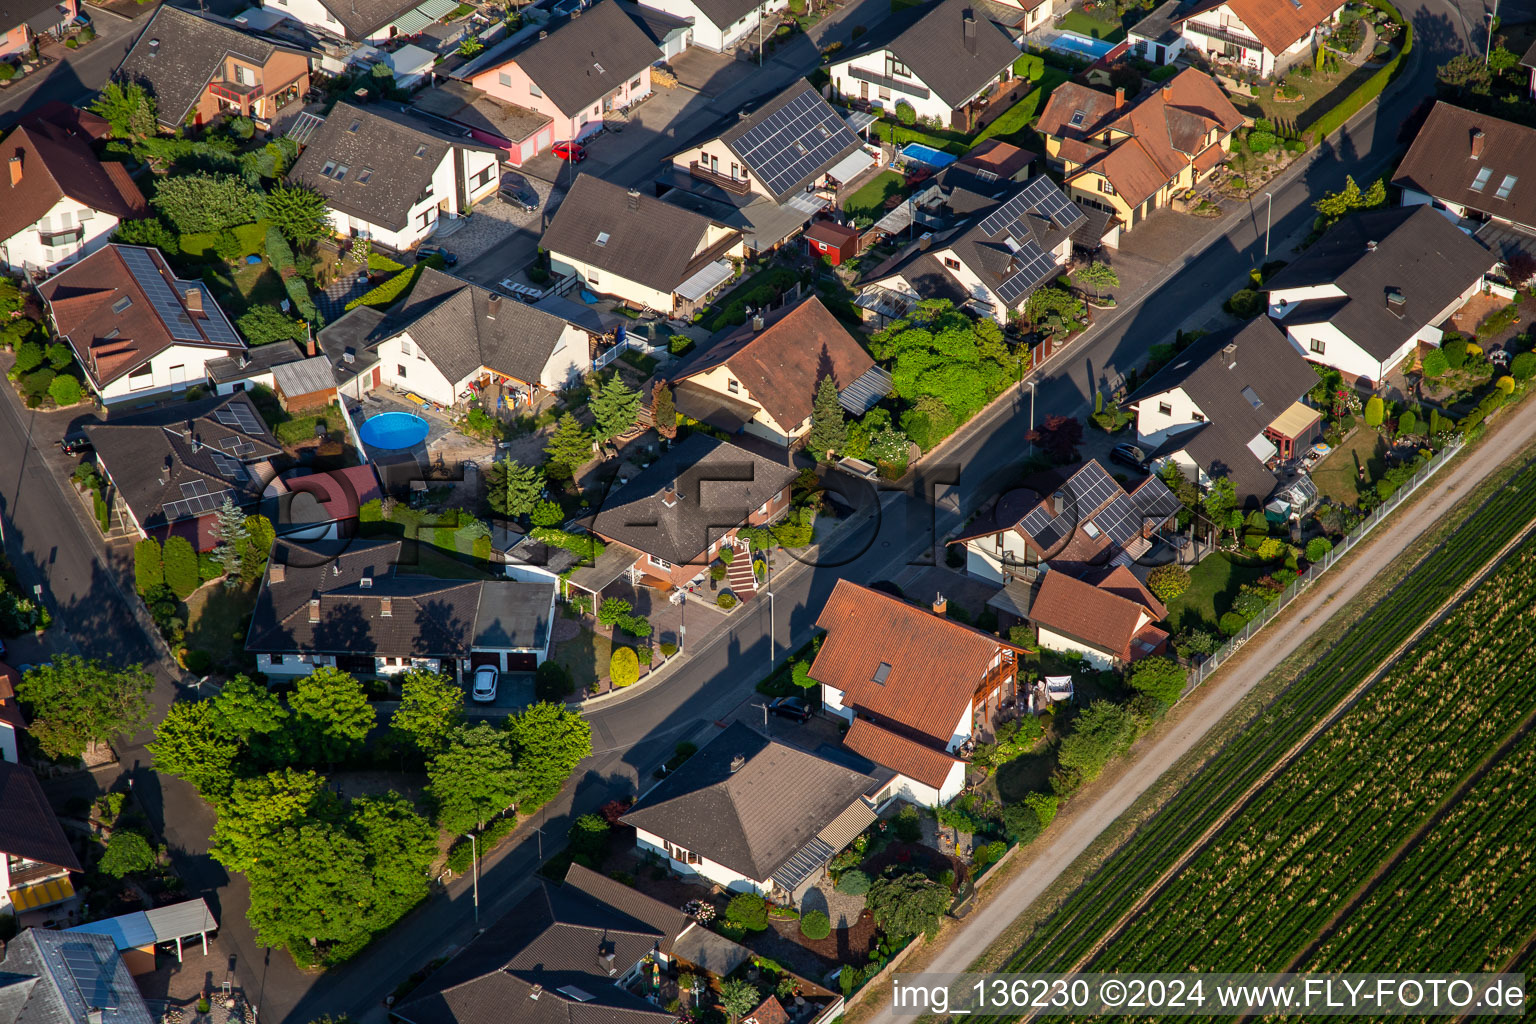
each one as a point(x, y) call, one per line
point(385, 294)
point(1333, 120)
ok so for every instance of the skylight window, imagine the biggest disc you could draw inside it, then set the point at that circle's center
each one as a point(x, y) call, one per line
point(330, 166)
point(1505, 186)
point(363, 175)
point(1077, 118)
point(602, 238)
point(1253, 397)
point(421, 151)
point(121, 304)
point(341, 172)
point(355, 126)
point(1481, 181)
point(599, 68)
point(882, 672)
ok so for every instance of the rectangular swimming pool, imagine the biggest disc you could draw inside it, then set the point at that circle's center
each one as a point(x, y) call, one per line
point(934, 158)
point(1081, 45)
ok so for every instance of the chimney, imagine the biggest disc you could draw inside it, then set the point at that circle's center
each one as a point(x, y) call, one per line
point(1395, 299)
point(757, 322)
point(940, 604)
point(1119, 97)
point(925, 240)
point(634, 199)
point(1230, 352)
point(738, 763)
point(387, 611)
point(277, 572)
point(969, 22)
point(195, 301)
point(313, 349)
point(16, 170)
point(1057, 503)
point(154, 47)
point(1167, 94)
point(537, 989)
point(314, 609)
point(1477, 150)
point(1370, 246)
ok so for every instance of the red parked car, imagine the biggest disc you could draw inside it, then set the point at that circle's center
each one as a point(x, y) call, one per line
point(574, 152)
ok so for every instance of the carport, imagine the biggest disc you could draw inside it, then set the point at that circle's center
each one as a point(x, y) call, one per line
point(137, 934)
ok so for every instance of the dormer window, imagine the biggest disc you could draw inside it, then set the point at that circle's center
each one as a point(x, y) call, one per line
point(734, 387)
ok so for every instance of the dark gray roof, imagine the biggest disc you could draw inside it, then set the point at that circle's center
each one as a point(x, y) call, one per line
point(593, 53)
point(810, 113)
point(725, 13)
point(648, 241)
point(259, 359)
point(462, 327)
point(1158, 26)
point(755, 818)
point(472, 108)
point(1417, 251)
point(304, 376)
point(28, 827)
point(926, 276)
point(190, 53)
point(51, 977)
point(930, 40)
point(1222, 453)
point(377, 146)
point(40, 14)
point(351, 342)
point(160, 458)
point(1529, 60)
point(1497, 181)
point(658, 25)
point(718, 485)
point(513, 614)
point(558, 938)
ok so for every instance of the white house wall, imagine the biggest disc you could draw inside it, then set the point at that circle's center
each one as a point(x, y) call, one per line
point(422, 217)
point(604, 283)
point(421, 375)
point(571, 358)
point(1153, 426)
point(717, 873)
point(229, 387)
point(982, 559)
point(175, 369)
point(1452, 212)
point(874, 63)
point(309, 12)
point(1338, 352)
point(1056, 642)
point(25, 249)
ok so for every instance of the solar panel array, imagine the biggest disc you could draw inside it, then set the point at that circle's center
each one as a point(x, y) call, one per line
point(1032, 267)
point(1049, 201)
point(1155, 501)
point(1088, 489)
point(240, 416)
point(238, 446)
point(228, 467)
point(218, 330)
point(167, 307)
point(1121, 520)
point(93, 978)
point(792, 143)
point(196, 500)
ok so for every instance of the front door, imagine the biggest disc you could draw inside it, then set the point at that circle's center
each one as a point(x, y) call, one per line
point(864, 91)
point(376, 378)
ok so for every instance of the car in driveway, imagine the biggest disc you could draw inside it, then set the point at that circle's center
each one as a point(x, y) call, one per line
point(792, 708)
point(515, 191)
point(484, 689)
point(571, 152)
point(75, 444)
point(427, 251)
point(1129, 455)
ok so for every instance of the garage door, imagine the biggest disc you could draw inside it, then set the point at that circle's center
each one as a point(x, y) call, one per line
point(482, 658)
point(522, 662)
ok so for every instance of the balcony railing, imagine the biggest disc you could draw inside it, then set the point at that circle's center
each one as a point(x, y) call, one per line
point(896, 85)
point(735, 186)
point(65, 236)
point(235, 90)
point(1211, 31)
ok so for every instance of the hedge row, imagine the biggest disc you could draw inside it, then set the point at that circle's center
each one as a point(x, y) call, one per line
point(385, 294)
point(1334, 119)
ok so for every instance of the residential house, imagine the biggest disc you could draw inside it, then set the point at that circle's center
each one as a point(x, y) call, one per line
point(12, 722)
point(634, 247)
point(574, 72)
point(1267, 36)
point(1024, 16)
point(1158, 38)
point(35, 855)
point(34, 21)
point(990, 265)
point(519, 132)
point(450, 336)
point(994, 158)
point(349, 605)
point(721, 25)
point(751, 814)
point(305, 505)
point(388, 174)
point(137, 330)
point(1132, 158)
point(171, 468)
point(579, 951)
point(198, 68)
point(671, 34)
point(761, 378)
point(1376, 286)
point(369, 21)
point(50, 977)
point(1110, 621)
point(945, 60)
point(1478, 169)
point(251, 368)
point(679, 512)
point(1076, 520)
point(916, 687)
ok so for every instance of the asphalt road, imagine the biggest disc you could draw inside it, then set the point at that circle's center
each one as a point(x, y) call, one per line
point(78, 76)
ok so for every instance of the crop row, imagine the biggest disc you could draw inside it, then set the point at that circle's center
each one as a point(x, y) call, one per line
point(1257, 895)
point(1085, 916)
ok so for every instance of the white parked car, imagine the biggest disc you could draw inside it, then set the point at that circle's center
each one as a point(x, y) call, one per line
point(485, 684)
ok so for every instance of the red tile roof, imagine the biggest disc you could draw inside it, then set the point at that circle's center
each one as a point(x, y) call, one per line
point(1278, 24)
point(53, 163)
point(928, 765)
point(1103, 616)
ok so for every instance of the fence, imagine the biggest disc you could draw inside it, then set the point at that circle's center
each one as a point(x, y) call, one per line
point(1204, 670)
point(619, 348)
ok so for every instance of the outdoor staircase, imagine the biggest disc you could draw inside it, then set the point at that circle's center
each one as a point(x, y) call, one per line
point(739, 575)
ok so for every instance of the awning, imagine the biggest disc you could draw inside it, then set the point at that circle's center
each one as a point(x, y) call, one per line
point(1295, 421)
point(705, 281)
point(865, 391)
point(858, 120)
point(723, 412)
point(807, 202)
point(615, 561)
point(422, 15)
point(42, 894)
point(852, 165)
point(1263, 448)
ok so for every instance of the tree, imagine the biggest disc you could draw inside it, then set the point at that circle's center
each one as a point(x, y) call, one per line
point(1520, 266)
point(1168, 581)
point(207, 202)
point(1318, 548)
point(230, 530)
point(829, 430)
point(907, 904)
point(262, 807)
point(1054, 310)
point(1467, 74)
point(399, 846)
point(127, 852)
point(1375, 412)
point(815, 925)
point(570, 446)
point(128, 109)
point(512, 488)
point(148, 569)
point(748, 910)
point(307, 887)
point(331, 715)
point(431, 709)
point(1058, 436)
point(1435, 364)
point(1220, 501)
point(739, 997)
point(1408, 422)
point(76, 704)
point(474, 777)
point(588, 839)
point(550, 742)
point(64, 390)
point(300, 213)
point(1334, 206)
point(192, 745)
point(251, 713)
point(260, 534)
point(1522, 367)
point(663, 411)
point(1097, 276)
point(1159, 678)
point(1502, 59)
point(1101, 731)
point(263, 325)
point(180, 566)
point(615, 407)
point(60, 356)
point(547, 513)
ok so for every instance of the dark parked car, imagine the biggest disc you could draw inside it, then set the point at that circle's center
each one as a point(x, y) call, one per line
point(426, 251)
point(519, 194)
point(793, 708)
point(75, 444)
point(1129, 455)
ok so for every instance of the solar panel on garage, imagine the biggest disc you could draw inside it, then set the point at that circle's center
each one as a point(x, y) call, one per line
point(240, 416)
point(166, 306)
point(792, 143)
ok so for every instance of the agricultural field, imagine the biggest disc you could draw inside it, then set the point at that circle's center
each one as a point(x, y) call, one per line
point(1411, 737)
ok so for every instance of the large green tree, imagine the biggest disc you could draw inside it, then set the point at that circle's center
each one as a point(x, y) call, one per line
point(1102, 731)
point(512, 488)
point(299, 212)
point(128, 108)
point(474, 778)
point(232, 540)
point(261, 807)
point(550, 742)
point(829, 429)
point(907, 904)
point(1162, 679)
point(252, 714)
point(309, 885)
point(207, 202)
point(570, 446)
point(331, 715)
point(76, 704)
point(431, 708)
point(739, 997)
point(192, 745)
point(615, 408)
point(1220, 501)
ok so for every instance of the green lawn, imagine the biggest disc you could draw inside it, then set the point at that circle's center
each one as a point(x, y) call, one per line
point(1212, 586)
point(1022, 114)
point(756, 290)
point(1337, 476)
point(585, 658)
point(1085, 24)
point(868, 203)
point(217, 618)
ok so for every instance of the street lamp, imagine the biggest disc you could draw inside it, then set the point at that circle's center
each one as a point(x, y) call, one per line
point(474, 856)
point(1031, 434)
point(1268, 212)
point(1488, 46)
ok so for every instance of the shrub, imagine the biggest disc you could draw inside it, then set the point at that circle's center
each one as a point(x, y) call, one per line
point(815, 925)
point(623, 667)
point(905, 113)
point(1232, 623)
point(148, 570)
point(1271, 548)
point(1246, 303)
point(908, 828)
point(127, 852)
point(1318, 548)
point(1407, 423)
point(853, 883)
point(1162, 679)
point(196, 661)
point(1435, 364)
point(1455, 349)
point(29, 356)
point(747, 910)
point(1030, 66)
point(1523, 366)
point(64, 390)
point(371, 511)
point(1375, 411)
point(667, 648)
point(1505, 384)
point(726, 600)
point(1260, 142)
point(7, 71)
point(1168, 582)
point(181, 568)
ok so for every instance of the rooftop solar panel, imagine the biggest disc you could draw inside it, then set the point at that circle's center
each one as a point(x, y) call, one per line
point(1121, 520)
point(794, 142)
point(1045, 198)
point(91, 976)
point(164, 301)
point(1155, 500)
point(1033, 266)
point(219, 331)
point(240, 416)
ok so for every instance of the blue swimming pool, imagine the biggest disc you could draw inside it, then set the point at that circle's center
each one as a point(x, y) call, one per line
point(1083, 46)
point(934, 158)
point(393, 430)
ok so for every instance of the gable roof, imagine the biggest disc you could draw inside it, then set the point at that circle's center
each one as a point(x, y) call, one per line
point(781, 365)
point(160, 459)
point(1010, 246)
point(925, 762)
point(462, 327)
point(930, 40)
point(595, 51)
point(699, 489)
point(725, 13)
point(178, 53)
point(49, 977)
point(932, 664)
point(362, 18)
point(106, 307)
point(474, 109)
point(375, 162)
point(1278, 24)
point(28, 826)
point(1102, 616)
point(807, 111)
point(1414, 250)
point(754, 816)
point(55, 162)
point(1440, 163)
point(1061, 119)
point(650, 242)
